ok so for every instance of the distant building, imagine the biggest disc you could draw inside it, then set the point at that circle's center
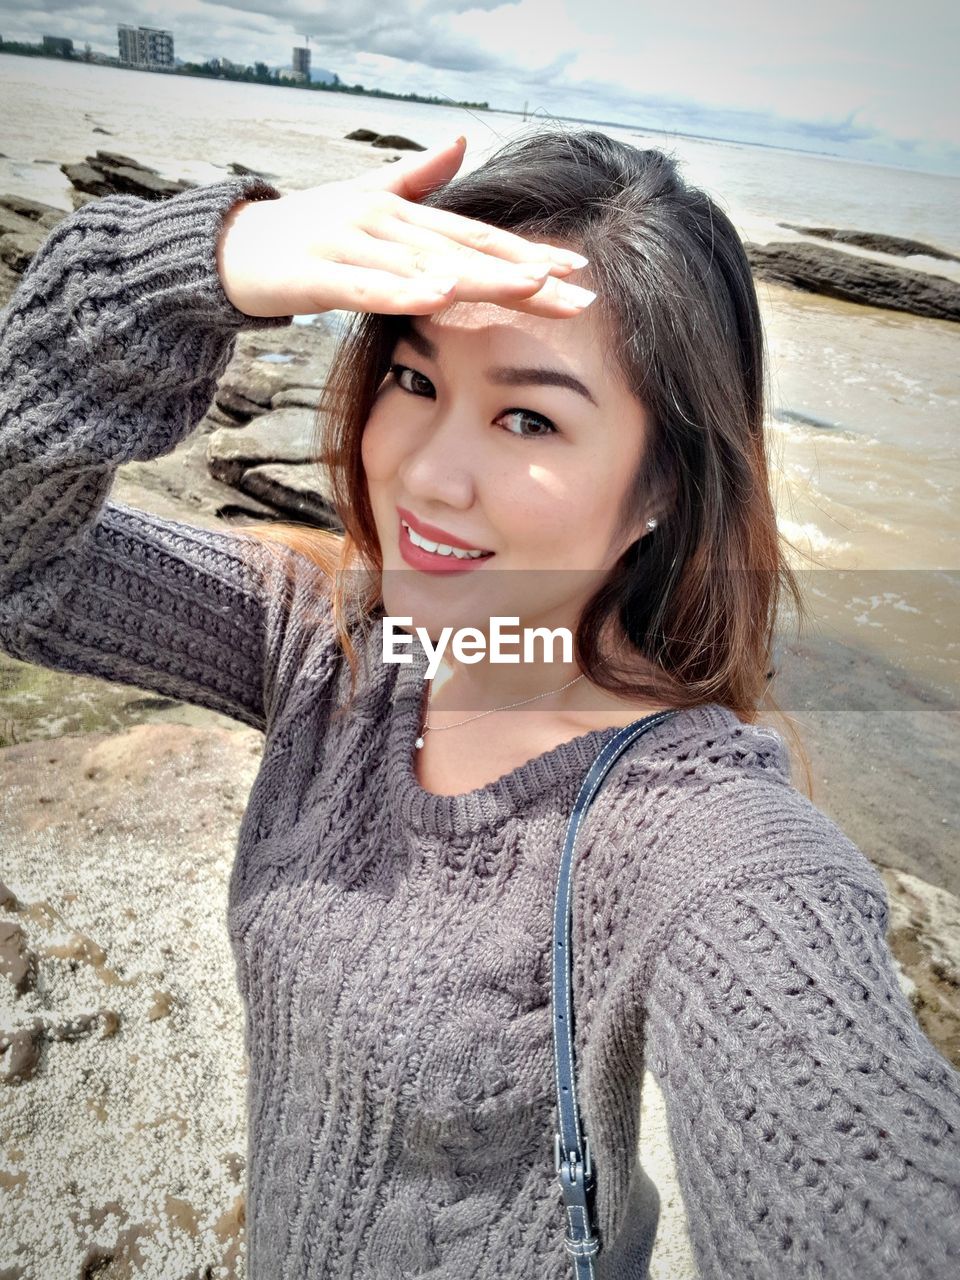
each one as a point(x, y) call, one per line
point(301, 64)
point(127, 37)
point(145, 46)
point(58, 45)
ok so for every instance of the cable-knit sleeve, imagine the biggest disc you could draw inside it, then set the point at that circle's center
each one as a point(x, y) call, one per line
point(815, 1127)
point(110, 350)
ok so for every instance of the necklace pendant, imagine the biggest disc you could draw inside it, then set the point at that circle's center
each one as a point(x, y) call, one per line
point(419, 743)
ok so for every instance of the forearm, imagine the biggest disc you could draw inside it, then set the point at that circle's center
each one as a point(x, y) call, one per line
point(110, 350)
point(816, 1129)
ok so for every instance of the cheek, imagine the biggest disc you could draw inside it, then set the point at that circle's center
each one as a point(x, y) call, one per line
point(378, 447)
point(553, 501)
point(576, 510)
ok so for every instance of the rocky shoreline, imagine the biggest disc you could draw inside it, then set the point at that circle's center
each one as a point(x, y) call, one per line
point(814, 268)
point(809, 265)
point(270, 463)
point(121, 1054)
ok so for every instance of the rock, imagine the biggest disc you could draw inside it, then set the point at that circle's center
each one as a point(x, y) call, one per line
point(14, 223)
point(8, 283)
point(162, 1005)
point(44, 214)
point(178, 485)
point(108, 173)
point(306, 350)
point(836, 274)
point(113, 159)
point(217, 417)
point(242, 171)
point(249, 385)
point(297, 397)
point(17, 962)
point(875, 240)
point(267, 363)
point(805, 419)
point(362, 135)
point(298, 490)
point(80, 198)
point(282, 435)
point(83, 177)
point(397, 142)
point(20, 1051)
point(17, 248)
point(230, 401)
point(140, 182)
point(241, 510)
point(97, 129)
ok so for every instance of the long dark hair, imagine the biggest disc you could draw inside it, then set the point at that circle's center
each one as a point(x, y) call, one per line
point(695, 603)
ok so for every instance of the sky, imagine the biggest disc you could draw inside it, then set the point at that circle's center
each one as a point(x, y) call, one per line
point(867, 79)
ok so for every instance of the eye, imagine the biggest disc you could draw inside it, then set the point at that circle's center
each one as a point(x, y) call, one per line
point(418, 384)
point(414, 383)
point(535, 418)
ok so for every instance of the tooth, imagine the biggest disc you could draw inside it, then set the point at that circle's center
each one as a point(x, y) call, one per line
point(440, 548)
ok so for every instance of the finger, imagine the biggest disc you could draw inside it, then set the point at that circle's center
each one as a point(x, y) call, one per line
point(404, 236)
point(416, 176)
point(484, 237)
point(353, 288)
point(348, 287)
point(555, 299)
point(441, 260)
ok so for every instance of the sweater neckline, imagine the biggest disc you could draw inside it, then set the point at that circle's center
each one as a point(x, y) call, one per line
point(429, 812)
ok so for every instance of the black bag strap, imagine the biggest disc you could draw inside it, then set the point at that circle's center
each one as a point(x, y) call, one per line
point(571, 1151)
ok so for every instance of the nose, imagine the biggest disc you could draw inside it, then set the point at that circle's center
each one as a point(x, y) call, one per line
point(441, 465)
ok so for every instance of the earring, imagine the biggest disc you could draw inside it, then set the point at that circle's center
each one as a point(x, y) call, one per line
point(652, 523)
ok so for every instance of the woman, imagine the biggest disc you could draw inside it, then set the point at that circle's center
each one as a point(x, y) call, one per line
point(390, 904)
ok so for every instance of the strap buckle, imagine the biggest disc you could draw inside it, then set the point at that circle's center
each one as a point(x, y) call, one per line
point(575, 1176)
point(573, 1161)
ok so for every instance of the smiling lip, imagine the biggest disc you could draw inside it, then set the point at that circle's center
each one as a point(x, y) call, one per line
point(417, 558)
point(435, 533)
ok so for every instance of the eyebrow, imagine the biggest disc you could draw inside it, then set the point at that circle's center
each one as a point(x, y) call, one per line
point(504, 375)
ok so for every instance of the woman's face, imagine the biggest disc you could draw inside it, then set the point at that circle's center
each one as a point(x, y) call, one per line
point(516, 435)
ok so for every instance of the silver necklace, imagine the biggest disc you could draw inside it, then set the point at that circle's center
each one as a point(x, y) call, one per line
point(438, 728)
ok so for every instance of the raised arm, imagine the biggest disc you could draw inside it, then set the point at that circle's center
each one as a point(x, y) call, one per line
point(816, 1129)
point(110, 350)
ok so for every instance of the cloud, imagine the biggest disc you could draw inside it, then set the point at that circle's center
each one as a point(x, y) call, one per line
point(852, 76)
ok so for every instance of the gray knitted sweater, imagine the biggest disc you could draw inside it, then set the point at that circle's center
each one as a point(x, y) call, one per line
point(392, 945)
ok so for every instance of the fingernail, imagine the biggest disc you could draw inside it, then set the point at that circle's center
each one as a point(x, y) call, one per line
point(578, 297)
point(567, 255)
